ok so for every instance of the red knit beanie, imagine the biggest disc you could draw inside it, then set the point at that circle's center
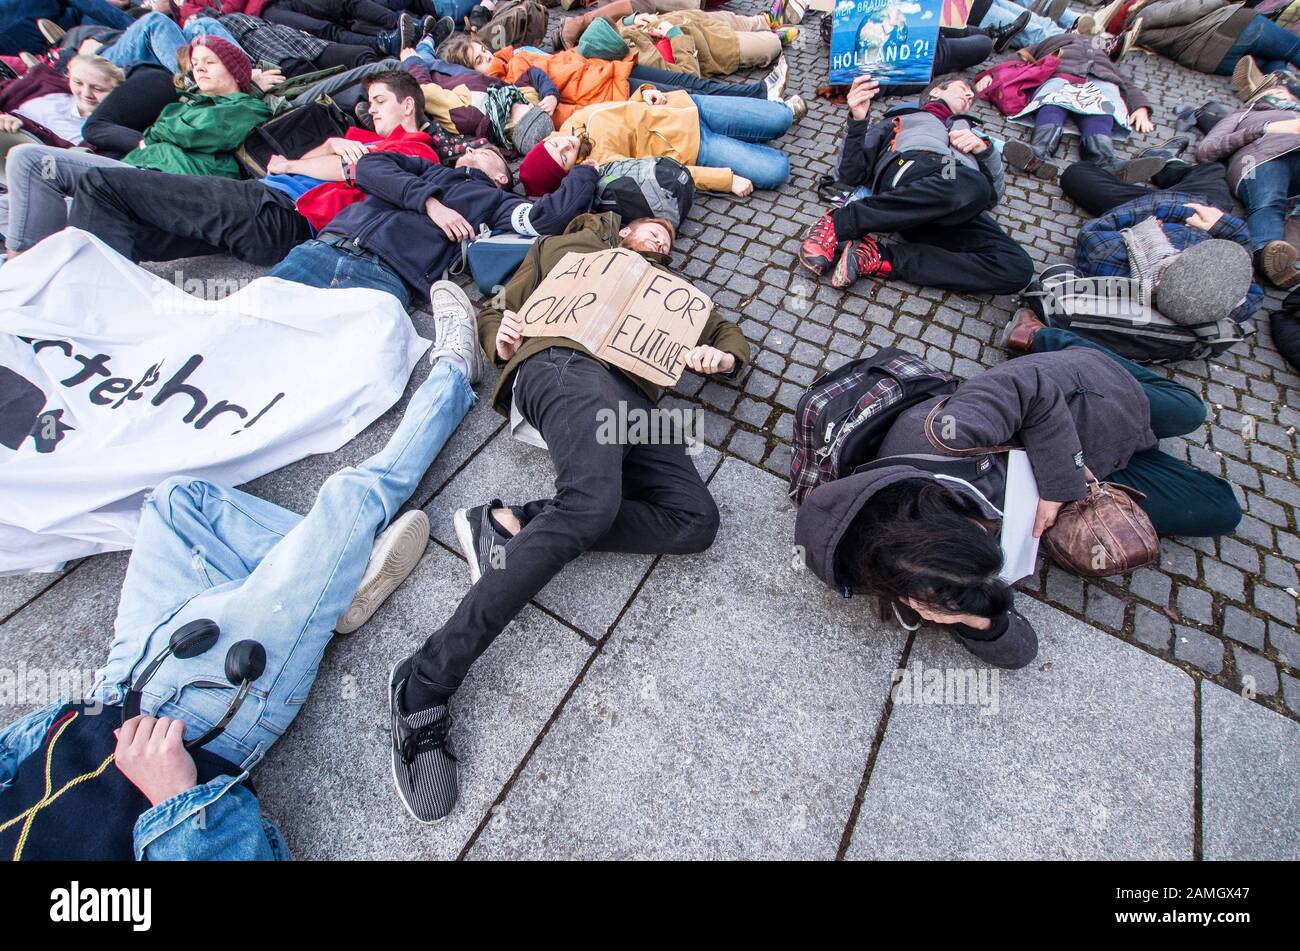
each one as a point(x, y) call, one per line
point(540, 173)
point(232, 57)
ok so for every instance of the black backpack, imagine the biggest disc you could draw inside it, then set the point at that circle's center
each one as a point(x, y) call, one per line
point(1143, 336)
point(842, 418)
point(646, 188)
point(291, 134)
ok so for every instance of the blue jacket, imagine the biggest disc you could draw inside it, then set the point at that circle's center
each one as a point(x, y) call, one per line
point(392, 222)
point(219, 819)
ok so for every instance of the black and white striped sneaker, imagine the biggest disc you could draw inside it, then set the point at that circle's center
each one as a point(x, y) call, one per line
point(424, 767)
point(482, 544)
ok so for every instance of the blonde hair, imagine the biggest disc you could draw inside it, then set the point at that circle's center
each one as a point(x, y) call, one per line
point(455, 50)
point(95, 61)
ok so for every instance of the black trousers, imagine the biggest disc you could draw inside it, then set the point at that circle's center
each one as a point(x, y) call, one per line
point(336, 54)
point(155, 216)
point(952, 241)
point(610, 496)
point(1097, 191)
point(354, 22)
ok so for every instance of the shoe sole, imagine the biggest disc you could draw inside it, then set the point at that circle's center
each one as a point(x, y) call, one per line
point(51, 31)
point(392, 759)
point(839, 276)
point(1241, 77)
point(1141, 169)
point(1279, 259)
point(1021, 157)
point(465, 536)
point(403, 546)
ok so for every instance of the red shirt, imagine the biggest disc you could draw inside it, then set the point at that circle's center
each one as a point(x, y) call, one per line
point(322, 203)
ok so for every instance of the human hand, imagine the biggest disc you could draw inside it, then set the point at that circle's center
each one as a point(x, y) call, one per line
point(860, 96)
point(548, 103)
point(151, 753)
point(654, 97)
point(278, 165)
point(510, 335)
point(346, 148)
point(1286, 126)
point(9, 123)
point(452, 223)
point(1046, 516)
point(967, 142)
point(1202, 216)
point(741, 186)
point(937, 616)
point(708, 360)
point(264, 79)
point(1140, 120)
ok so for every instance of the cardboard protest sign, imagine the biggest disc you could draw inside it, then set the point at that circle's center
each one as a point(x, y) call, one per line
point(892, 40)
point(623, 309)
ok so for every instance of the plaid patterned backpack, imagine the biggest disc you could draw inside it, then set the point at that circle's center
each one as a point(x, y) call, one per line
point(842, 418)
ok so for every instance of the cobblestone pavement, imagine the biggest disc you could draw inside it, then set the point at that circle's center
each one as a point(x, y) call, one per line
point(727, 705)
point(1224, 610)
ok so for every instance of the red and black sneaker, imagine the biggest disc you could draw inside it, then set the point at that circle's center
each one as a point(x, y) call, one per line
point(860, 258)
point(818, 249)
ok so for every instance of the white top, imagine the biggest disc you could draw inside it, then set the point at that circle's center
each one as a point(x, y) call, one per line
point(57, 112)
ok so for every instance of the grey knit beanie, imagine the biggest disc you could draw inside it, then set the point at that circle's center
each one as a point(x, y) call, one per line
point(1205, 282)
point(535, 125)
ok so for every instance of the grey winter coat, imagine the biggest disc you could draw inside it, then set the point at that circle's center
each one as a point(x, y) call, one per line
point(1240, 140)
point(1195, 33)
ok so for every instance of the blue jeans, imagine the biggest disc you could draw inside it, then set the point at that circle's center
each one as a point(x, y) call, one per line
point(427, 50)
point(317, 264)
point(155, 39)
point(1273, 47)
point(456, 9)
point(263, 573)
point(1264, 193)
point(668, 80)
point(1040, 28)
point(730, 130)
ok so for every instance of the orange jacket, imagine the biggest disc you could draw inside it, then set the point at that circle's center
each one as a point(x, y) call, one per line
point(581, 81)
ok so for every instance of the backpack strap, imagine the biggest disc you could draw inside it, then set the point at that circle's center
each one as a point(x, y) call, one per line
point(968, 467)
point(950, 450)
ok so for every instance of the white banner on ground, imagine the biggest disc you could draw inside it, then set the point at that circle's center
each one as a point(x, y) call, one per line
point(113, 379)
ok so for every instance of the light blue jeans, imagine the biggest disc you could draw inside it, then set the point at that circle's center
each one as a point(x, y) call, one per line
point(262, 573)
point(731, 128)
point(155, 38)
point(1040, 28)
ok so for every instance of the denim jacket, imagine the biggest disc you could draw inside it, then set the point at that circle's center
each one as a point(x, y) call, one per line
point(220, 820)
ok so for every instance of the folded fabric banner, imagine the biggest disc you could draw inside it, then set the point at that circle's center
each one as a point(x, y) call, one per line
point(112, 379)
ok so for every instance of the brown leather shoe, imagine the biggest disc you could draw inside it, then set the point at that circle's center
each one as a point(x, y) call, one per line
point(1277, 260)
point(1018, 335)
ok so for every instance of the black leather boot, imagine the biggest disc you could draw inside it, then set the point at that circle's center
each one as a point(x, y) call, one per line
point(1035, 158)
point(1100, 149)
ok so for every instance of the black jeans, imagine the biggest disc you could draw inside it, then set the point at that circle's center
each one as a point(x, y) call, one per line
point(154, 216)
point(354, 22)
point(952, 240)
point(610, 496)
point(1097, 191)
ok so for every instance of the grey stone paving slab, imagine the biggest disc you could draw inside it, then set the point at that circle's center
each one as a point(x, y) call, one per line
point(589, 593)
point(67, 629)
point(327, 782)
point(17, 590)
point(728, 716)
point(1089, 756)
point(1250, 764)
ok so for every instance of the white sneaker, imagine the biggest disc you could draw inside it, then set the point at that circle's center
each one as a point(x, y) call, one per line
point(777, 79)
point(797, 106)
point(455, 329)
point(397, 551)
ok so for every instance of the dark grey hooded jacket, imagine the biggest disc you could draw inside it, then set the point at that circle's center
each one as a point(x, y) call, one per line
point(1064, 408)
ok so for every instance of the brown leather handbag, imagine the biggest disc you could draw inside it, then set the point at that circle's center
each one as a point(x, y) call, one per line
point(1104, 533)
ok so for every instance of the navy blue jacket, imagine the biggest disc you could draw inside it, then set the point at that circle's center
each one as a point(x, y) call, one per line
point(392, 223)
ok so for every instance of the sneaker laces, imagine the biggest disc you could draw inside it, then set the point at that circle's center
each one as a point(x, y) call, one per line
point(422, 739)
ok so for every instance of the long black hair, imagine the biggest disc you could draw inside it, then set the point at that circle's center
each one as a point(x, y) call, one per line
point(920, 539)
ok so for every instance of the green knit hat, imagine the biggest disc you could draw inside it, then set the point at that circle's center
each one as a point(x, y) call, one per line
point(601, 41)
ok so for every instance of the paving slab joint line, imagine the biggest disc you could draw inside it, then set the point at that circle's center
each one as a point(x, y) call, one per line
point(564, 702)
point(1198, 786)
point(846, 839)
point(460, 468)
point(40, 594)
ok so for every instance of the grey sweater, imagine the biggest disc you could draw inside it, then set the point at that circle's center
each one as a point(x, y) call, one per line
point(1240, 140)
